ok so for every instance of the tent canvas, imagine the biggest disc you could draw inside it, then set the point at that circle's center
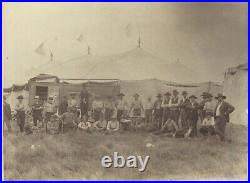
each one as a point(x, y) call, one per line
point(235, 87)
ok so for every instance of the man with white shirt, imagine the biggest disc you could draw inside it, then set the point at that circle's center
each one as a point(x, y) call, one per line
point(20, 113)
point(149, 110)
point(221, 116)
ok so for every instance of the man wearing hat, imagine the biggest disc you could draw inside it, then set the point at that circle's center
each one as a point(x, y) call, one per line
point(165, 108)
point(20, 113)
point(72, 101)
point(109, 108)
point(207, 126)
point(192, 116)
point(174, 110)
point(121, 105)
point(136, 106)
point(36, 111)
point(183, 106)
point(6, 114)
point(97, 107)
point(84, 104)
point(157, 110)
point(221, 115)
point(205, 104)
point(148, 110)
point(49, 110)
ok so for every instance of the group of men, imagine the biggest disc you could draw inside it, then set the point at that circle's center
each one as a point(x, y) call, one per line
point(170, 112)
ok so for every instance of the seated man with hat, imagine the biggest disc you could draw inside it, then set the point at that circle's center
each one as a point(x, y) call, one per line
point(207, 126)
point(221, 116)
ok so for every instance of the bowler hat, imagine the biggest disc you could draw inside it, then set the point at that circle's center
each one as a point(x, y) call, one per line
point(209, 112)
point(175, 92)
point(193, 96)
point(121, 94)
point(184, 93)
point(20, 97)
point(167, 94)
point(159, 95)
point(220, 95)
point(136, 95)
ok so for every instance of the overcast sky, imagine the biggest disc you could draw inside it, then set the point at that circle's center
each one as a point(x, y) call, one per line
point(207, 37)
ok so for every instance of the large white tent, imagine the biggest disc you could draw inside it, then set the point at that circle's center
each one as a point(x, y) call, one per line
point(235, 87)
point(135, 64)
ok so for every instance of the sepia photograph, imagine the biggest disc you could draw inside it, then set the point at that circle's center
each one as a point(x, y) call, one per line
point(124, 91)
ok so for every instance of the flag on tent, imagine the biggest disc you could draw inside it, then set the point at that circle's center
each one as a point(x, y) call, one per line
point(80, 38)
point(40, 49)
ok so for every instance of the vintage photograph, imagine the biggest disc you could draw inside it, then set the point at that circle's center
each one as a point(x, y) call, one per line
point(125, 91)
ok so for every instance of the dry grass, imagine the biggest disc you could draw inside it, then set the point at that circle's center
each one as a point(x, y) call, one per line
point(78, 155)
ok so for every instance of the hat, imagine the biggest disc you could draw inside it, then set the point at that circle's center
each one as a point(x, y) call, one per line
point(159, 95)
point(206, 95)
point(193, 96)
point(167, 94)
point(20, 97)
point(72, 93)
point(120, 94)
point(36, 97)
point(175, 92)
point(136, 95)
point(209, 112)
point(184, 93)
point(220, 95)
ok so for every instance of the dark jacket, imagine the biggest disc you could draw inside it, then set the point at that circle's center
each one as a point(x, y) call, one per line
point(225, 110)
point(193, 111)
point(6, 111)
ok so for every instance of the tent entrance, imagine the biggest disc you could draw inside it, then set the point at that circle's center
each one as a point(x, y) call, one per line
point(42, 92)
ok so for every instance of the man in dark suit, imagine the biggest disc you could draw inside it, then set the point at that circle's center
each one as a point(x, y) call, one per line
point(183, 106)
point(192, 116)
point(6, 113)
point(221, 116)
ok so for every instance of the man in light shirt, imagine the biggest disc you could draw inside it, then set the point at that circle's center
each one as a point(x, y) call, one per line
point(207, 126)
point(221, 116)
point(20, 113)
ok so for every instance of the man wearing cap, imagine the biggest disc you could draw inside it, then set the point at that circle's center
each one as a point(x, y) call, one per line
point(148, 110)
point(84, 104)
point(36, 111)
point(221, 115)
point(183, 105)
point(165, 107)
point(157, 110)
point(121, 105)
point(136, 106)
point(20, 113)
point(174, 110)
point(192, 116)
point(6, 114)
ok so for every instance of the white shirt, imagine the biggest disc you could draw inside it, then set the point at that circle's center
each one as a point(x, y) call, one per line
point(217, 113)
point(207, 122)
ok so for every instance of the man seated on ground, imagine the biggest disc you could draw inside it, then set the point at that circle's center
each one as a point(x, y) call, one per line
point(86, 124)
point(100, 125)
point(67, 120)
point(169, 128)
point(207, 126)
point(125, 121)
point(113, 125)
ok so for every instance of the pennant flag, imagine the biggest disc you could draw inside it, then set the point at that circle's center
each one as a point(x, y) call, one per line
point(80, 38)
point(40, 49)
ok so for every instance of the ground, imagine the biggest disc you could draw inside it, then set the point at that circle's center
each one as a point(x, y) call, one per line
point(77, 155)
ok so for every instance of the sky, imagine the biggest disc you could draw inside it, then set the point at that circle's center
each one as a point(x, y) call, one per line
point(206, 37)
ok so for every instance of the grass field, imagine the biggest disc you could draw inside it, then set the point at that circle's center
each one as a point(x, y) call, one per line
point(77, 155)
